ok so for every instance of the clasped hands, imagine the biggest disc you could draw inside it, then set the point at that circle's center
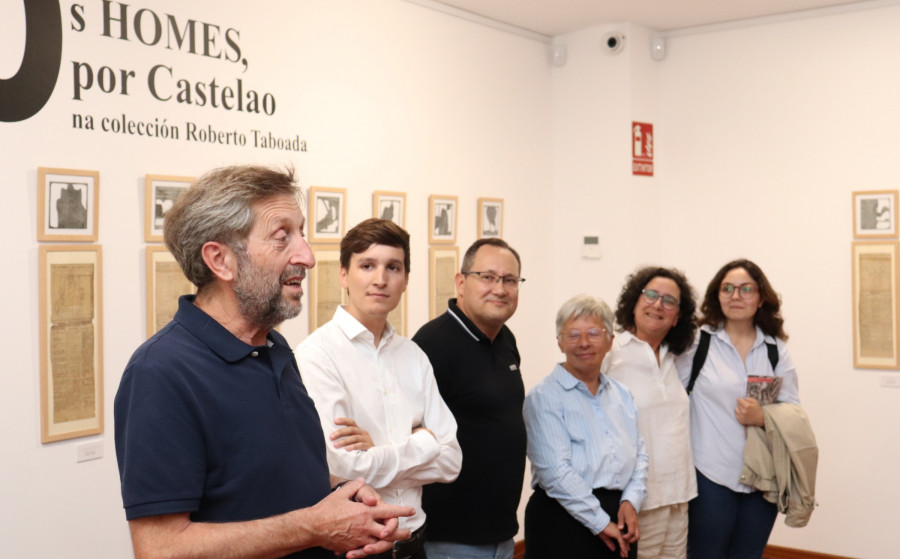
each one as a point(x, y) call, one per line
point(624, 532)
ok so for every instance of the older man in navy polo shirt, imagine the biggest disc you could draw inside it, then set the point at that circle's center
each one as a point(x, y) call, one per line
point(220, 449)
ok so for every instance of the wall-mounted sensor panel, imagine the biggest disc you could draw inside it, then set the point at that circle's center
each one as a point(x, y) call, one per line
point(590, 246)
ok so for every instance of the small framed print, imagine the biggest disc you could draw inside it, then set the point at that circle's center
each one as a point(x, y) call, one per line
point(160, 192)
point(875, 308)
point(442, 219)
point(490, 217)
point(67, 204)
point(325, 291)
point(390, 206)
point(444, 264)
point(165, 284)
point(397, 317)
point(875, 214)
point(71, 341)
point(327, 214)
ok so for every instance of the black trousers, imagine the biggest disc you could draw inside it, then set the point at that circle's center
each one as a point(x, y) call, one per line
point(552, 533)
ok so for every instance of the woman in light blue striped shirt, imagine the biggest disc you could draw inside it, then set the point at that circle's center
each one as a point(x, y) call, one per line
point(588, 462)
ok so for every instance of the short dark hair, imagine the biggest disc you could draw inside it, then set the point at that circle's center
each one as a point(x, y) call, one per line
point(374, 231)
point(767, 317)
point(681, 335)
point(218, 207)
point(469, 256)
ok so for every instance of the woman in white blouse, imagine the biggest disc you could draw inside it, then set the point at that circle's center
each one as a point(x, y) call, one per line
point(655, 316)
point(740, 317)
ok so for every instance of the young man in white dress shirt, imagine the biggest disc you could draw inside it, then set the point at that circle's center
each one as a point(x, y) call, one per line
point(374, 389)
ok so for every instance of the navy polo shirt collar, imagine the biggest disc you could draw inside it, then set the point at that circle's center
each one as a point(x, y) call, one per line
point(215, 336)
point(469, 327)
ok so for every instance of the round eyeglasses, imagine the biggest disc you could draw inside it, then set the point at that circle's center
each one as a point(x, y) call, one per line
point(652, 295)
point(489, 278)
point(745, 290)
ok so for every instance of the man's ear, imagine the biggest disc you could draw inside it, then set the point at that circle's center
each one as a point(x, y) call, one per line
point(220, 259)
point(459, 279)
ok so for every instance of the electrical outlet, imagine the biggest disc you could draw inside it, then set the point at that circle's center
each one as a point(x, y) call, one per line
point(89, 451)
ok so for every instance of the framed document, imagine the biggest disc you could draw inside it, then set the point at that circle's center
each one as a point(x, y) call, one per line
point(397, 317)
point(875, 329)
point(444, 264)
point(71, 342)
point(165, 283)
point(325, 291)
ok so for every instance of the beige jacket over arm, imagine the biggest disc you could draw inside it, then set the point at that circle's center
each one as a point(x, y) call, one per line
point(780, 460)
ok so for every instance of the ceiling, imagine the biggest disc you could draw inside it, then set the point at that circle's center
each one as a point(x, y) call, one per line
point(556, 17)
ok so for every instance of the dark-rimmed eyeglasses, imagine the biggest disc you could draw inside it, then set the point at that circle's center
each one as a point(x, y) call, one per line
point(652, 295)
point(490, 278)
point(745, 290)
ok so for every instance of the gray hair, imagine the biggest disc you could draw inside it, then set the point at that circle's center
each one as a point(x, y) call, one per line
point(583, 305)
point(218, 207)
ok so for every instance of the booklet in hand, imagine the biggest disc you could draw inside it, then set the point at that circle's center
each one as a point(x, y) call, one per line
point(764, 389)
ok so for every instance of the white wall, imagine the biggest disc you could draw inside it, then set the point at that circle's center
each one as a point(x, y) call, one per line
point(764, 160)
point(762, 134)
point(389, 96)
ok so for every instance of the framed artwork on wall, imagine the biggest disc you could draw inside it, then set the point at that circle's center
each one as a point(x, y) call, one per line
point(327, 214)
point(68, 203)
point(390, 205)
point(875, 214)
point(875, 320)
point(71, 341)
point(325, 291)
point(165, 283)
point(490, 217)
point(397, 317)
point(442, 269)
point(442, 219)
point(160, 192)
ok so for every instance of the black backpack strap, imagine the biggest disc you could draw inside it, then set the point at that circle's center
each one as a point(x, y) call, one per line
point(700, 359)
point(773, 355)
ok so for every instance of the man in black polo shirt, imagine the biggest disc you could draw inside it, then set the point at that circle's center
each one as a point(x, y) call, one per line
point(219, 447)
point(476, 365)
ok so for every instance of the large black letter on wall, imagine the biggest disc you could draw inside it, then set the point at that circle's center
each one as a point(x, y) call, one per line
point(26, 93)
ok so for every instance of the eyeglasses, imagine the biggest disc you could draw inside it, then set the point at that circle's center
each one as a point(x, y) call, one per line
point(594, 335)
point(489, 278)
point(746, 290)
point(652, 295)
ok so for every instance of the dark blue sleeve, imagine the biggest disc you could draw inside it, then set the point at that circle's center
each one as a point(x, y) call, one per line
point(159, 442)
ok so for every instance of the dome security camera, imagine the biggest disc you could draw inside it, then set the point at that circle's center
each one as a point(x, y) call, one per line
point(614, 42)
